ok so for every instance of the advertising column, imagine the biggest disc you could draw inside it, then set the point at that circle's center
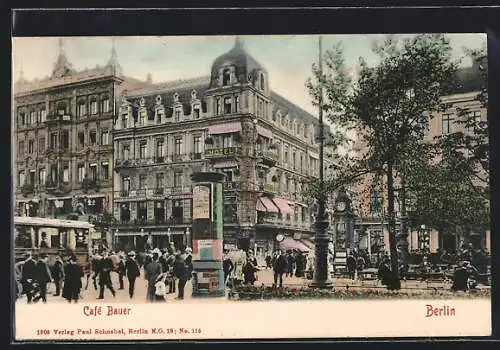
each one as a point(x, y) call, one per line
point(207, 235)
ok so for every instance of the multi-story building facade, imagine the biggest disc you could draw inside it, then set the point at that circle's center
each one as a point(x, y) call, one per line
point(230, 122)
point(62, 139)
point(372, 192)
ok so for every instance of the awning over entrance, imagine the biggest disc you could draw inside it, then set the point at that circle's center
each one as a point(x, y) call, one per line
point(224, 128)
point(259, 206)
point(264, 132)
point(268, 204)
point(226, 164)
point(289, 243)
point(283, 205)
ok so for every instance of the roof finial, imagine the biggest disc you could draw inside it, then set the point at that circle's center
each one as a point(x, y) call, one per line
point(113, 60)
point(239, 43)
point(61, 46)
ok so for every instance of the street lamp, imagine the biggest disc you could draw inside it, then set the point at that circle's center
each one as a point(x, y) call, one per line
point(143, 245)
point(187, 238)
point(169, 233)
point(321, 276)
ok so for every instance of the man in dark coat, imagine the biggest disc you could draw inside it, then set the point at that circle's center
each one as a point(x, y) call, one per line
point(351, 266)
point(104, 268)
point(151, 273)
point(73, 274)
point(58, 275)
point(132, 271)
point(27, 276)
point(43, 276)
point(280, 267)
point(180, 272)
point(290, 264)
point(227, 265)
point(121, 270)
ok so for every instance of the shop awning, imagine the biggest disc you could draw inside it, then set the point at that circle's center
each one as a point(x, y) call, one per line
point(259, 206)
point(289, 243)
point(224, 128)
point(269, 205)
point(264, 132)
point(282, 205)
point(226, 164)
point(308, 243)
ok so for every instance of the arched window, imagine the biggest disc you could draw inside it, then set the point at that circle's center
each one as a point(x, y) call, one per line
point(226, 77)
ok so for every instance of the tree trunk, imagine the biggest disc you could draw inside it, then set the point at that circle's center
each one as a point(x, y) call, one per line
point(394, 282)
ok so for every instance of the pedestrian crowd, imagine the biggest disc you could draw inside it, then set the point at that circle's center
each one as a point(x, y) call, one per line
point(165, 271)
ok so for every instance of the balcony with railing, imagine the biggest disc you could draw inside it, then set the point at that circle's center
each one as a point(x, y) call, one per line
point(158, 221)
point(57, 188)
point(269, 156)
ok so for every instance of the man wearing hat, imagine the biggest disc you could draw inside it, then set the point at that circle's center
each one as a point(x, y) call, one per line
point(27, 275)
point(43, 275)
point(132, 271)
point(58, 274)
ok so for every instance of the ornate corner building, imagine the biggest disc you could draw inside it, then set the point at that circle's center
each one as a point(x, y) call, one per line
point(62, 139)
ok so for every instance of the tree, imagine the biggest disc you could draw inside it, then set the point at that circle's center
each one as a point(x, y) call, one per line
point(389, 106)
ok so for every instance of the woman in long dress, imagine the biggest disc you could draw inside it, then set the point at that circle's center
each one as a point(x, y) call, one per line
point(73, 274)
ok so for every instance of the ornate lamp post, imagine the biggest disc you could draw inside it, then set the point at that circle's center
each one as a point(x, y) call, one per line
point(169, 233)
point(321, 277)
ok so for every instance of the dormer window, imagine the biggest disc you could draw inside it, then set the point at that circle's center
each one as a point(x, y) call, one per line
point(177, 115)
point(226, 77)
point(218, 106)
point(196, 112)
point(158, 99)
point(176, 97)
point(159, 115)
point(194, 95)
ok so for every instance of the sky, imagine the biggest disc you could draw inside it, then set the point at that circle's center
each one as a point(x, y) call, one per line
point(288, 59)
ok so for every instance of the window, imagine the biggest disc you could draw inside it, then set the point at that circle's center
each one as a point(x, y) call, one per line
point(178, 146)
point(81, 172)
point(227, 105)
point(261, 108)
point(53, 173)
point(142, 181)
point(53, 140)
point(81, 139)
point(177, 115)
point(159, 116)
point(424, 126)
point(160, 180)
point(82, 109)
point(32, 119)
point(42, 176)
point(124, 209)
point(21, 148)
point(93, 172)
point(218, 107)
point(92, 137)
point(105, 170)
point(159, 148)
point(105, 105)
point(227, 140)
point(376, 202)
point(262, 85)
point(178, 178)
point(229, 174)
point(142, 149)
point(226, 77)
point(301, 165)
point(22, 118)
point(126, 152)
point(43, 115)
point(65, 173)
point(125, 184)
point(197, 144)
point(474, 118)
point(64, 139)
point(32, 177)
point(294, 159)
point(142, 211)
point(236, 104)
point(31, 146)
point(41, 144)
point(105, 137)
point(447, 124)
point(21, 178)
point(93, 107)
point(61, 108)
point(196, 113)
point(285, 153)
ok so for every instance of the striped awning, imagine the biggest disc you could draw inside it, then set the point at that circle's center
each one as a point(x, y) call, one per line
point(264, 132)
point(226, 164)
point(269, 205)
point(224, 128)
point(289, 243)
point(282, 204)
point(259, 206)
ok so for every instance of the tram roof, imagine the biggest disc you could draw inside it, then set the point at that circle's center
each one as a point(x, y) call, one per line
point(48, 222)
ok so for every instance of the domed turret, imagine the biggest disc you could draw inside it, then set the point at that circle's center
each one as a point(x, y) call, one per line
point(237, 66)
